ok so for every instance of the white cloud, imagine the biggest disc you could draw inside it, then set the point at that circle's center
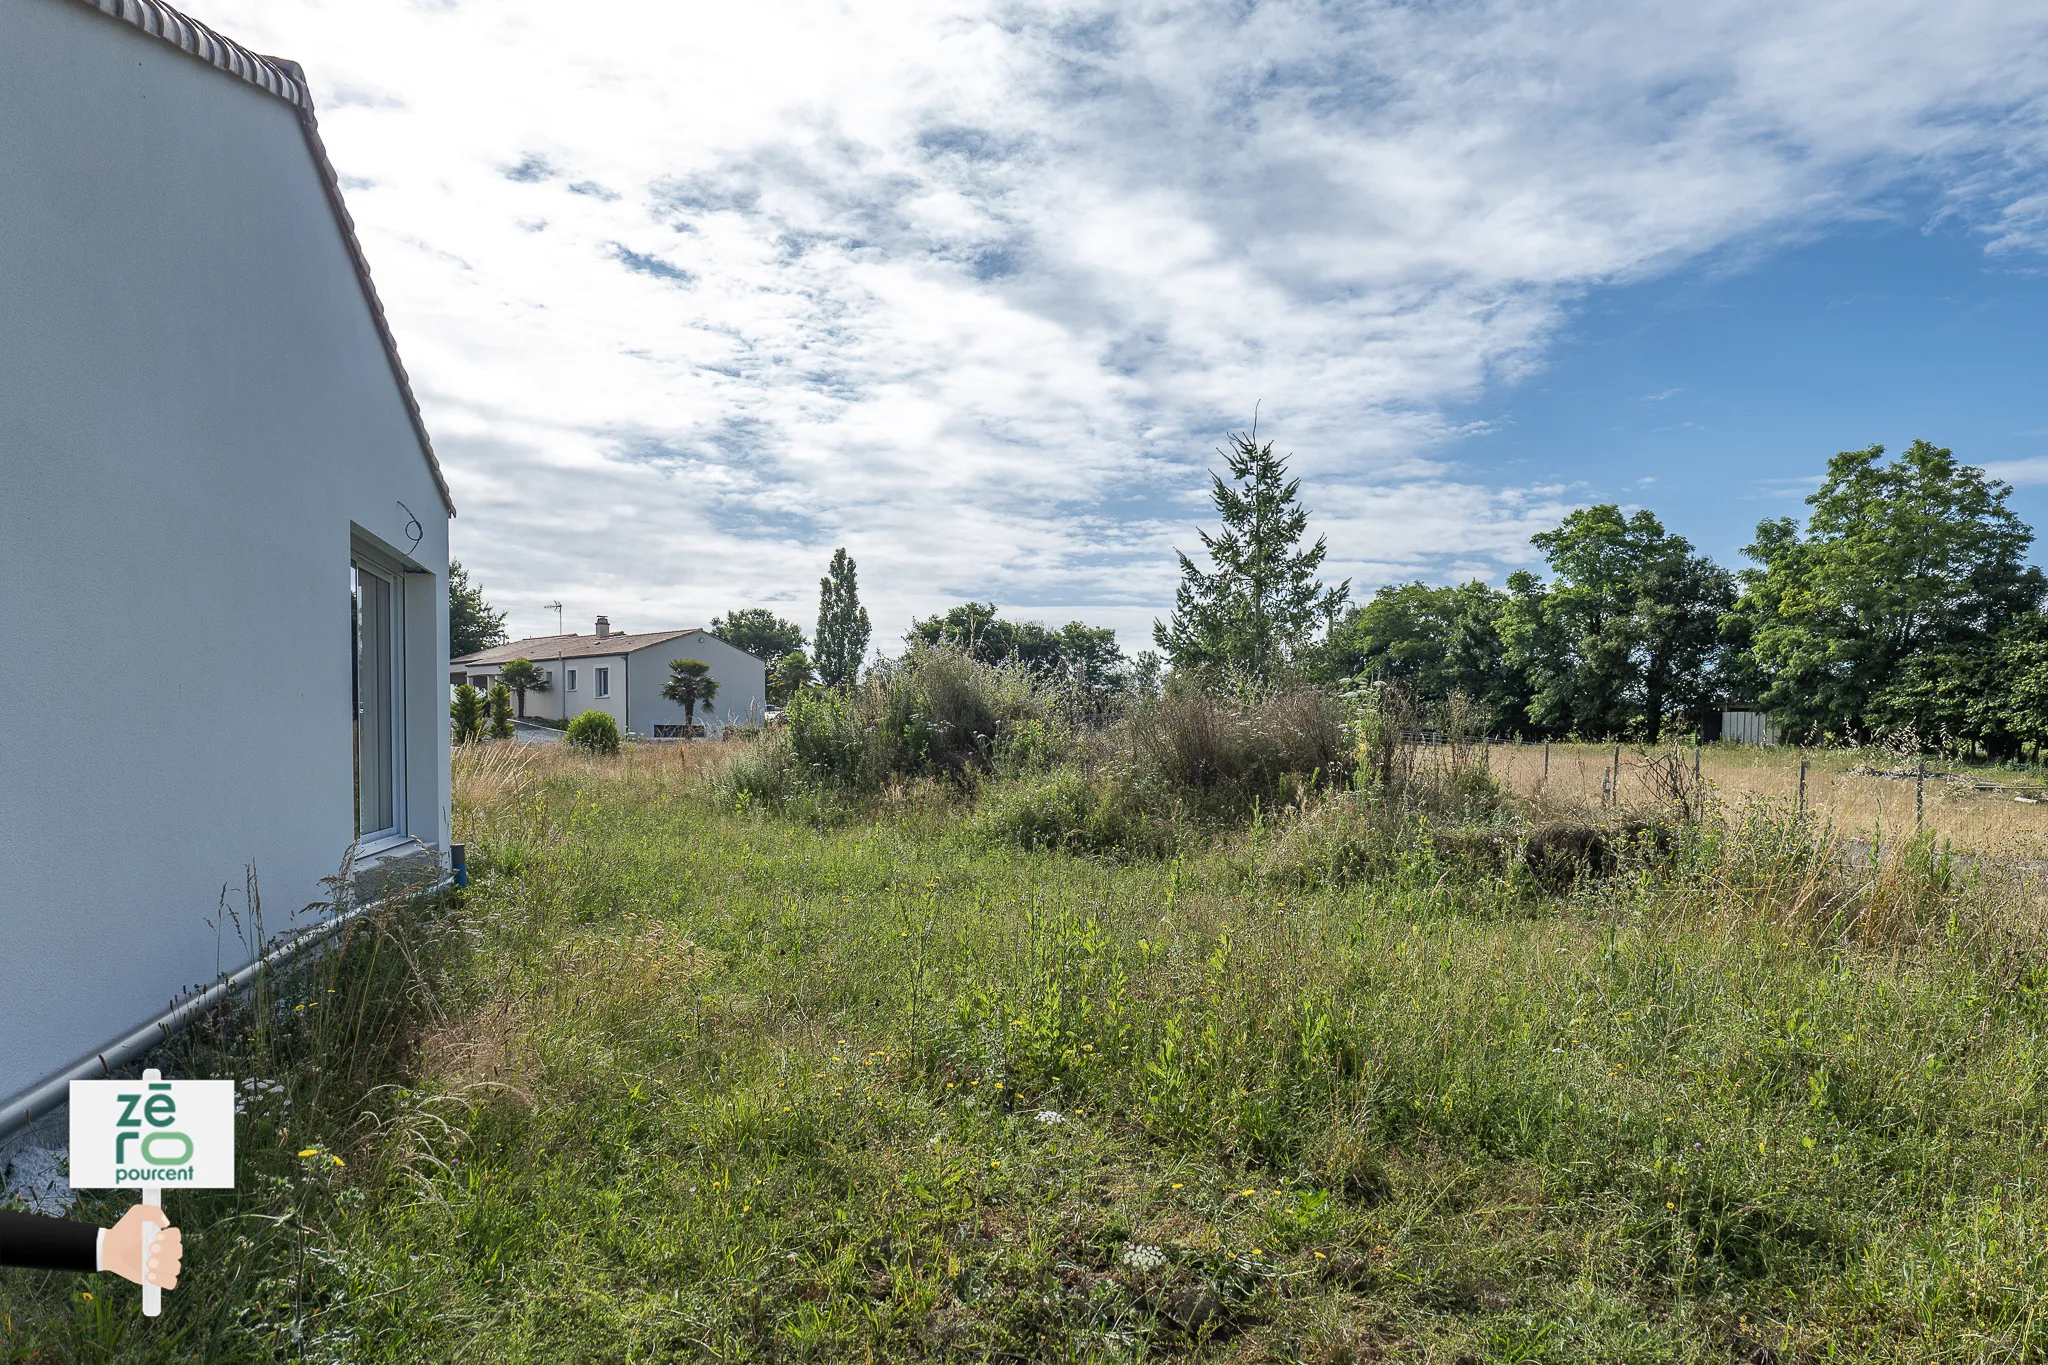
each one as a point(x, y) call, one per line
point(2020, 473)
point(693, 294)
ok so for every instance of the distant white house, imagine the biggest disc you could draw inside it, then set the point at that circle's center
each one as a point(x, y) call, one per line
point(221, 515)
point(622, 675)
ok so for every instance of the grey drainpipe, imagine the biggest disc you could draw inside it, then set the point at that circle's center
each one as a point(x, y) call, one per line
point(47, 1096)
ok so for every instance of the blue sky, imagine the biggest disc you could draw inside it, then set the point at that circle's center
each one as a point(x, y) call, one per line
point(693, 294)
point(1727, 384)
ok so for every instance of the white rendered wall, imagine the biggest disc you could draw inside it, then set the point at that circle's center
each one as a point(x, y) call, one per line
point(195, 412)
point(741, 678)
point(585, 697)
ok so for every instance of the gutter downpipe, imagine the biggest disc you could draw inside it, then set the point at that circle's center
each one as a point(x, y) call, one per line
point(47, 1096)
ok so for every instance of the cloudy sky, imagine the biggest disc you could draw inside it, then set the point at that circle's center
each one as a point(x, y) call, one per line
point(693, 293)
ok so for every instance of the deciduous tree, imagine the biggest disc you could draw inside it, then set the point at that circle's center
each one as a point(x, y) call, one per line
point(760, 632)
point(472, 625)
point(1434, 642)
point(1088, 657)
point(843, 625)
point(1896, 560)
point(1626, 632)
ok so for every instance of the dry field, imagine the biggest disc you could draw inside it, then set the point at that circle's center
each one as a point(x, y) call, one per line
point(2009, 821)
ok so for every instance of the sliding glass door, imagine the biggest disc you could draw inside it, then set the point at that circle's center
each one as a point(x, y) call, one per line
point(375, 608)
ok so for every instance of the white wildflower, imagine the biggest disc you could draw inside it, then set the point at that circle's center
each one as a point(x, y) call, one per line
point(1141, 1258)
point(1050, 1116)
point(253, 1091)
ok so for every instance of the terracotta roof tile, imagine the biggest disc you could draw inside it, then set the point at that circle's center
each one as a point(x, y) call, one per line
point(551, 647)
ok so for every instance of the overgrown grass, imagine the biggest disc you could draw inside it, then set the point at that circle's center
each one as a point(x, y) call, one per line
point(685, 1081)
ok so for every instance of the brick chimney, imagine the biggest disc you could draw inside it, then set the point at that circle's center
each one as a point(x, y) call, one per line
point(604, 627)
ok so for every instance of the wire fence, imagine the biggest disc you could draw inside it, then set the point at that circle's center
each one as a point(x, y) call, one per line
point(1864, 791)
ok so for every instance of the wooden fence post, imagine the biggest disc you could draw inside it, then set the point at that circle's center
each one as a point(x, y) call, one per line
point(1919, 796)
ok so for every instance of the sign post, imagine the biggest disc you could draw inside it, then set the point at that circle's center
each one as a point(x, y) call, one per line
point(146, 1134)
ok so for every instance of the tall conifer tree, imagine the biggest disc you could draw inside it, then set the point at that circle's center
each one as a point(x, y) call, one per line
point(1262, 604)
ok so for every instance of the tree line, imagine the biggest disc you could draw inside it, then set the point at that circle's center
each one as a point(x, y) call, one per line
point(1903, 607)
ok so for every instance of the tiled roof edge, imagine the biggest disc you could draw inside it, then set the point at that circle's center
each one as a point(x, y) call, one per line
point(510, 648)
point(286, 80)
point(189, 35)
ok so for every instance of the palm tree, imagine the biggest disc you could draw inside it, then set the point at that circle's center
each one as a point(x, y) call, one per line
point(523, 676)
point(689, 685)
point(793, 673)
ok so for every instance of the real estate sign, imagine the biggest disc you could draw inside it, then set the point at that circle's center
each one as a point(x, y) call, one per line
point(149, 1133)
point(126, 1135)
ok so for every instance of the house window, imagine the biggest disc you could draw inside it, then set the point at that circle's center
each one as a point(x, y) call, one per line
point(604, 682)
point(375, 612)
point(572, 680)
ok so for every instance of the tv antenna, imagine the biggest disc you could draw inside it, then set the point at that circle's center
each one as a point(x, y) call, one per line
point(556, 608)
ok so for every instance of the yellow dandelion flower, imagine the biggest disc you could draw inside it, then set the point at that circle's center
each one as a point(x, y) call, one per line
point(310, 1151)
point(1321, 1257)
point(336, 1160)
point(1177, 1185)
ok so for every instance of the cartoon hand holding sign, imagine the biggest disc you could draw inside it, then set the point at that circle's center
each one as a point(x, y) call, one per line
point(128, 1135)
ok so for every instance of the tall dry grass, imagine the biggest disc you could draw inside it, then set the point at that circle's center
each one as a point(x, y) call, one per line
point(1859, 806)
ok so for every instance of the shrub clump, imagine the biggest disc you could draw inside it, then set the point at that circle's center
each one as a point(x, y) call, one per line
point(1171, 771)
point(934, 713)
point(594, 732)
point(1219, 759)
point(1068, 810)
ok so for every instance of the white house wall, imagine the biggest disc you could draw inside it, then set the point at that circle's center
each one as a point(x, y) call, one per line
point(741, 678)
point(585, 697)
point(196, 416)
